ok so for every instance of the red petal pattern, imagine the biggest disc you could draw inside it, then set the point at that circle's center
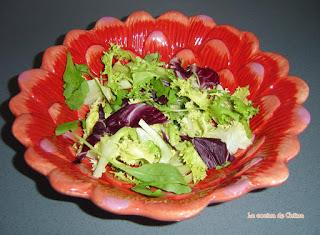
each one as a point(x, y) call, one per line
point(275, 67)
point(248, 46)
point(229, 35)
point(78, 41)
point(267, 106)
point(111, 30)
point(227, 80)
point(174, 26)
point(187, 57)
point(215, 55)
point(199, 26)
point(68, 180)
point(139, 25)
point(235, 55)
point(157, 42)
point(54, 60)
point(93, 59)
point(252, 74)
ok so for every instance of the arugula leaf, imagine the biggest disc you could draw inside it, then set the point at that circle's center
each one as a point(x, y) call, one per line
point(161, 175)
point(121, 175)
point(67, 126)
point(157, 172)
point(160, 88)
point(176, 188)
point(83, 68)
point(144, 189)
point(75, 86)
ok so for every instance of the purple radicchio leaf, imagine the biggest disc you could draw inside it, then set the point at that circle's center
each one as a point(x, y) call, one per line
point(160, 100)
point(185, 138)
point(175, 64)
point(208, 78)
point(129, 115)
point(213, 151)
point(99, 129)
point(165, 137)
point(125, 102)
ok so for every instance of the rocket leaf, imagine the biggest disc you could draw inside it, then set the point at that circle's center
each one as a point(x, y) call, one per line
point(75, 86)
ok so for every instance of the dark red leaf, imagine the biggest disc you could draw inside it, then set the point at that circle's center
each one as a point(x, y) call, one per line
point(131, 114)
point(213, 151)
point(208, 78)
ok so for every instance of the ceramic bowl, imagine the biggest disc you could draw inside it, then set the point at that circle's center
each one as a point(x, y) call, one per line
point(234, 54)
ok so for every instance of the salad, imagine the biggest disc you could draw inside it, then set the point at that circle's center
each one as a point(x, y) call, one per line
point(159, 126)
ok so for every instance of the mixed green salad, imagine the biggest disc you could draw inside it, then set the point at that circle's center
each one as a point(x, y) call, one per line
point(158, 126)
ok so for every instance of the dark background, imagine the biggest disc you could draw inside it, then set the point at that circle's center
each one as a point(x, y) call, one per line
point(28, 205)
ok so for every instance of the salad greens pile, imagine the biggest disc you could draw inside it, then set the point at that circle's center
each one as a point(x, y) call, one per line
point(158, 126)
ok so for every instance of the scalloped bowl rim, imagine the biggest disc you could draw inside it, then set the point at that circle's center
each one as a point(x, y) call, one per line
point(215, 196)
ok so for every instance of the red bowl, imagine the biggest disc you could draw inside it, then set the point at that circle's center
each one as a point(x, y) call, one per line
point(40, 106)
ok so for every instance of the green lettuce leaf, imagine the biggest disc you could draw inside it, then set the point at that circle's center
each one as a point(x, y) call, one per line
point(132, 152)
point(234, 135)
point(195, 123)
point(92, 118)
point(114, 52)
point(241, 104)
point(109, 148)
point(152, 57)
point(226, 108)
point(187, 89)
point(165, 149)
